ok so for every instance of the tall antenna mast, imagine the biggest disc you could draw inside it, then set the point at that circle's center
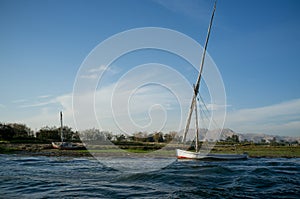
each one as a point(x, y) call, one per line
point(61, 127)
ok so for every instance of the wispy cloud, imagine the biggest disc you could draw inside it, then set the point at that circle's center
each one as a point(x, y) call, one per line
point(278, 119)
point(215, 107)
point(89, 76)
point(19, 101)
point(281, 119)
point(41, 101)
point(47, 112)
point(193, 8)
point(44, 96)
point(99, 69)
point(142, 99)
point(37, 104)
point(2, 106)
point(93, 73)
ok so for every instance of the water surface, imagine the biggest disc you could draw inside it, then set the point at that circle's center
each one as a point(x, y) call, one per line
point(65, 177)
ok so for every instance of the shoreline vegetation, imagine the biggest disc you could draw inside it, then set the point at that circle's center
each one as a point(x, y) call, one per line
point(20, 139)
point(254, 150)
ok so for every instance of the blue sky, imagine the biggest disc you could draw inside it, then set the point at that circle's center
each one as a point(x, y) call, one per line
point(255, 45)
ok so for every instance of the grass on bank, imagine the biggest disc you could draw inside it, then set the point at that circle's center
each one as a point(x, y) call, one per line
point(254, 150)
point(261, 150)
point(5, 150)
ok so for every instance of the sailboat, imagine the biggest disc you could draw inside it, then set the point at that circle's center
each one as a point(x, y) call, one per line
point(184, 154)
point(65, 145)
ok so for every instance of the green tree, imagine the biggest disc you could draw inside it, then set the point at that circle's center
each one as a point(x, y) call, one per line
point(121, 137)
point(6, 132)
point(21, 130)
point(15, 131)
point(54, 134)
point(48, 133)
point(158, 137)
point(234, 138)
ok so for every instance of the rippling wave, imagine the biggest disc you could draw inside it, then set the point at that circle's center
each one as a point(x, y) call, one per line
point(52, 177)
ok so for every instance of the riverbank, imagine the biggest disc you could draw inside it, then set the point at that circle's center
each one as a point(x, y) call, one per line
point(254, 151)
point(262, 151)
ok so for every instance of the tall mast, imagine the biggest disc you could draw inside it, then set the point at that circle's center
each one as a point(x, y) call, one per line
point(197, 127)
point(61, 127)
point(197, 85)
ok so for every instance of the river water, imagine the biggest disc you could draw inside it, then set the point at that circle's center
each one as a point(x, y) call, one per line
point(66, 177)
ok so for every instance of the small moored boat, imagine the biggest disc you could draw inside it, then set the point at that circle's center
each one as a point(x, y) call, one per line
point(65, 145)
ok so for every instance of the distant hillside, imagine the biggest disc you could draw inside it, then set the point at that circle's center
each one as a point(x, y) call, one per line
point(258, 137)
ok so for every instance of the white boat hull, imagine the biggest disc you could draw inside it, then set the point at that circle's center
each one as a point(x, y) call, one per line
point(182, 154)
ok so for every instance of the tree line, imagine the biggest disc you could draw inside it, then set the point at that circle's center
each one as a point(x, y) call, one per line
point(22, 133)
point(158, 137)
point(16, 132)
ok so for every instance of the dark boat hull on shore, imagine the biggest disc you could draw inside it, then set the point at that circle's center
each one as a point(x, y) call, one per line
point(67, 146)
